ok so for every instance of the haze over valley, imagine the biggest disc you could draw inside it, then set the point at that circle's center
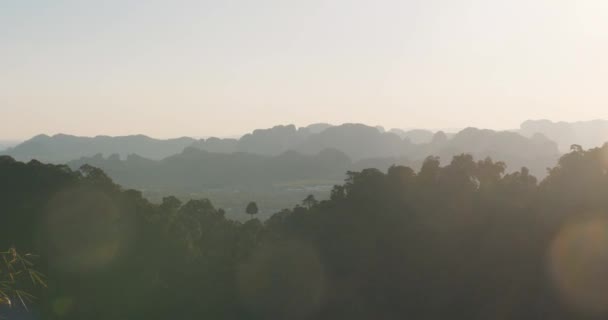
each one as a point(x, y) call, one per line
point(303, 160)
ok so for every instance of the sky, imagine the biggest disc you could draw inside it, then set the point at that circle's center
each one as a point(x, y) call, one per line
point(222, 68)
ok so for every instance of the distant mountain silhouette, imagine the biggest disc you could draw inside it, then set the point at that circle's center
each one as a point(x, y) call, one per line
point(318, 127)
point(417, 136)
point(358, 141)
point(272, 141)
point(219, 145)
point(363, 145)
point(537, 153)
point(320, 157)
point(62, 148)
point(588, 134)
point(5, 144)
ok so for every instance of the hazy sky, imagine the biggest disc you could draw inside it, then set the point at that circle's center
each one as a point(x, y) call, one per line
point(198, 68)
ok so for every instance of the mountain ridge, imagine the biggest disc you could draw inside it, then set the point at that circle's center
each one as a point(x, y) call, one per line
point(359, 142)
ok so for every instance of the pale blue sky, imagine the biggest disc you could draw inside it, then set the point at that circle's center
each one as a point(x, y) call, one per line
point(199, 68)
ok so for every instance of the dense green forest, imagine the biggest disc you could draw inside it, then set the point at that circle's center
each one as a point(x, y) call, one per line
point(460, 241)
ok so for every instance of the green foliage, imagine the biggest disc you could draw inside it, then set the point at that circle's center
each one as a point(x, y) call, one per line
point(17, 277)
point(464, 240)
point(252, 208)
point(310, 201)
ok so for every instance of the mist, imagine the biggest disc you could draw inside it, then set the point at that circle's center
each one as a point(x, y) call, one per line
point(303, 160)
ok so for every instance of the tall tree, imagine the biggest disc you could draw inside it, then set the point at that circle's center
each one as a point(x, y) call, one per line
point(252, 209)
point(310, 201)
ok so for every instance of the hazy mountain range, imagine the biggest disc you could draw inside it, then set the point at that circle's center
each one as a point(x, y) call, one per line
point(295, 161)
point(5, 144)
point(62, 148)
point(314, 157)
point(588, 134)
point(536, 144)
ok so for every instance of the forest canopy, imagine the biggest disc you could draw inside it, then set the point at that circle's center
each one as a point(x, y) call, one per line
point(464, 240)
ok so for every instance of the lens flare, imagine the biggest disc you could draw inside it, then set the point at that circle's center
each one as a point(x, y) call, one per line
point(61, 307)
point(85, 229)
point(282, 281)
point(604, 156)
point(578, 264)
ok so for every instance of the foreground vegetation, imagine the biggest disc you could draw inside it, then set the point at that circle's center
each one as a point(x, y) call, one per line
point(461, 241)
point(17, 275)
